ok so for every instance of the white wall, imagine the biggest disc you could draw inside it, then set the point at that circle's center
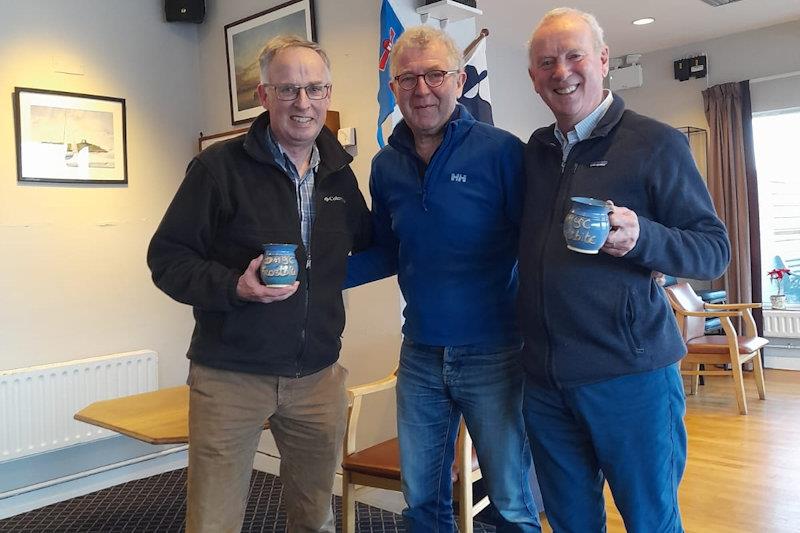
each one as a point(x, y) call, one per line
point(73, 280)
point(742, 56)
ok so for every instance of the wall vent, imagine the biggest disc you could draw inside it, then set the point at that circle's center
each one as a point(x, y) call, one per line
point(717, 3)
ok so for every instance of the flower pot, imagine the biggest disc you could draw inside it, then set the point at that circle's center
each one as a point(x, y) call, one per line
point(778, 301)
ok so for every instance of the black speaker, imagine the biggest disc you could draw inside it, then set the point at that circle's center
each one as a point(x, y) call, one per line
point(185, 10)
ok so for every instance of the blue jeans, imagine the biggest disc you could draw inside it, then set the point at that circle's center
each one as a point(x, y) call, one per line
point(435, 386)
point(628, 430)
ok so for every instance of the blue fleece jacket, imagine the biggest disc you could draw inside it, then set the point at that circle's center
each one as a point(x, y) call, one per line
point(588, 318)
point(449, 230)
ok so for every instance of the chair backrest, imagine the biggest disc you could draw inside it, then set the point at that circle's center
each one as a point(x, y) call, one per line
point(683, 298)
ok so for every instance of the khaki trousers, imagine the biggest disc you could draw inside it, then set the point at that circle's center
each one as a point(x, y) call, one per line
point(226, 413)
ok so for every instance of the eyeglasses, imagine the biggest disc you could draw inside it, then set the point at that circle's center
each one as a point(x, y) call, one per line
point(288, 92)
point(433, 78)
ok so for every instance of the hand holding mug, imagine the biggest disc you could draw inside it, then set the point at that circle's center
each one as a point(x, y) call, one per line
point(624, 230)
point(250, 288)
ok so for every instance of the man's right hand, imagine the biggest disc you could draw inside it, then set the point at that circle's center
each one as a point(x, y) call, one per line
point(250, 288)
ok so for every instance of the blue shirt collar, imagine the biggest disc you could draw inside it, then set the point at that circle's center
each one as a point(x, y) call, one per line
point(585, 127)
point(283, 160)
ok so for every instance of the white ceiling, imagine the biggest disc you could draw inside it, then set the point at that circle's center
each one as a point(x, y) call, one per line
point(678, 22)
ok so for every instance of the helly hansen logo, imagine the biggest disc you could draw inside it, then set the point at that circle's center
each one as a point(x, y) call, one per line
point(458, 178)
point(334, 199)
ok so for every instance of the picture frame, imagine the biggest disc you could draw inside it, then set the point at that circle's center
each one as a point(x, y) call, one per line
point(244, 40)
point(65, 137)
point(204, 141)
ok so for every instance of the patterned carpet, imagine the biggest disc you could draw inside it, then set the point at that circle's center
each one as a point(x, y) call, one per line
point(158, 504)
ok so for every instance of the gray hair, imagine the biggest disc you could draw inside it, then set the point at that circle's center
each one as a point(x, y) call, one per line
point(423, 37)
point(282, 42)
point(598, 36)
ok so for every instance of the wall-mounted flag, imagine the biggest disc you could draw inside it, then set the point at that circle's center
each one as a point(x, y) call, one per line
point(476, 96)
point(390, 31)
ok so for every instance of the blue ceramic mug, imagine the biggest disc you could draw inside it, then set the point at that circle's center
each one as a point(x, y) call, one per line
point(279, 266)
point(586, 225)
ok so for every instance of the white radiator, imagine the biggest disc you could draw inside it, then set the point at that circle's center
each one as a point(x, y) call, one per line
point(781, 324)
point(37, 403)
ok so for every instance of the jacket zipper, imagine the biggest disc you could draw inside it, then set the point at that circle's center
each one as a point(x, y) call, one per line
point(307, 295)
point(307, 300)
point(550, 363)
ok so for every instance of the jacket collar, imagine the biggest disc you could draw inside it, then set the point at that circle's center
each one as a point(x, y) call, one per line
point(612, 117)
point(332, 156)
point(460, 122)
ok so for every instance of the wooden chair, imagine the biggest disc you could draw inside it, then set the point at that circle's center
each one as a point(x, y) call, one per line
point(728, 349)
point(379, 465)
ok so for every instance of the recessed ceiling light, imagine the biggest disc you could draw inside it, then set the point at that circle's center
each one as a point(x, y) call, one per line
point(643, 21)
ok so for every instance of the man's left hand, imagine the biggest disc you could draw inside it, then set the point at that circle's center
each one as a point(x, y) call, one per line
point(624, 231)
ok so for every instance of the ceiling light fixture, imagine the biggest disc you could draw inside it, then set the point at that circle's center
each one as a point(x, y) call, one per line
point(643, 21)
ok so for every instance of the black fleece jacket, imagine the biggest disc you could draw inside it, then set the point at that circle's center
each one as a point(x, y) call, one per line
point(588, 318)
point(233, 199)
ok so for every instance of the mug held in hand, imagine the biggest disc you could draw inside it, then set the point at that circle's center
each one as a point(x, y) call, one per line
point(586, 225)
point(279, 266)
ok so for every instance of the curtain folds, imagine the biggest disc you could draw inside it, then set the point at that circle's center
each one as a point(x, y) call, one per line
point(733, 187)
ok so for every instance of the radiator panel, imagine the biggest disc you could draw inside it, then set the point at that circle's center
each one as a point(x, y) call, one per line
point(37, 403)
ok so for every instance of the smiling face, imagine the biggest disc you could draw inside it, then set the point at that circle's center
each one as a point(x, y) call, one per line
point(427, 109)
point(296, 123)
point(567, 69)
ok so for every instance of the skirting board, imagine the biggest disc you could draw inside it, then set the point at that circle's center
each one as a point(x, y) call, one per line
point(782, 363)
point(84, 485)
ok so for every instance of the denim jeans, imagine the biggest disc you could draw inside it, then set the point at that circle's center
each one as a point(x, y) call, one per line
point(435, 386)
point(628, 430)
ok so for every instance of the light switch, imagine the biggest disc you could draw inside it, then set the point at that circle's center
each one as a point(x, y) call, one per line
point(347, 136)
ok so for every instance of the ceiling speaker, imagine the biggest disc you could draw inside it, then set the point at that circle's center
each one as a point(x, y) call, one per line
point(185, 10)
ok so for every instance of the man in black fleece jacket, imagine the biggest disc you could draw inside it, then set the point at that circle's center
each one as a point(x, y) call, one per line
point(261, 353)
point(603, 396)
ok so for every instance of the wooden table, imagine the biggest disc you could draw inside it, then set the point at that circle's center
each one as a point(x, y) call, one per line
point(159, 417)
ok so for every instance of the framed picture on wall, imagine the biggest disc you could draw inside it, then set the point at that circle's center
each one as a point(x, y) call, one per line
point(207, 140)
point(244, 40)
point(69, 137)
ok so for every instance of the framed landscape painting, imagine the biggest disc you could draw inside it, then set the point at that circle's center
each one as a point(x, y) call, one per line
point(69, 137)
point(244, 40)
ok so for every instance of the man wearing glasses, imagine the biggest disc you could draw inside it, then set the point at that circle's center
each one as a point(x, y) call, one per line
point(260, 353)
point(446, 203)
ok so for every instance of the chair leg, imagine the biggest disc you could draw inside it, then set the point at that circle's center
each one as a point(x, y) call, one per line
point(694, 380)
point(348, 504)
point(464, 488)
point(758, 373)
point(738, 386)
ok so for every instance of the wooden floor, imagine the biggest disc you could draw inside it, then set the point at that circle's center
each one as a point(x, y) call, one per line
point(743, 472)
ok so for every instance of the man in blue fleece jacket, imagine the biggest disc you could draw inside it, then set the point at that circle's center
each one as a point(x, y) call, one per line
point(603, 396)
point(446, 203)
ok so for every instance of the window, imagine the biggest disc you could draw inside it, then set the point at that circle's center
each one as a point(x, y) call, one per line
point(775, 136)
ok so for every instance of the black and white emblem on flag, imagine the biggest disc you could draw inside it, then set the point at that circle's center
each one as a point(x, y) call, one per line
point(476, 96)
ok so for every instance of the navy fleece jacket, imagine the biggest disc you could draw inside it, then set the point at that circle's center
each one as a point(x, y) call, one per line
point(588, 318)
point(449, 230)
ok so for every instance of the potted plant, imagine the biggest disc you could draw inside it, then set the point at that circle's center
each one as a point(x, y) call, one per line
point(777, 275)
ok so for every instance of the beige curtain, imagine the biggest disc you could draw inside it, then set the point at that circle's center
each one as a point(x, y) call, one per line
point(731, 182)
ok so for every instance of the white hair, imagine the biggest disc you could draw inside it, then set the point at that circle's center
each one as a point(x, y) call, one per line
point(598, 36)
